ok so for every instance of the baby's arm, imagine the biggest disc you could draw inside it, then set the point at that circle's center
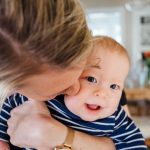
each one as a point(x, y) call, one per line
point(4, 145)
point(126, 135)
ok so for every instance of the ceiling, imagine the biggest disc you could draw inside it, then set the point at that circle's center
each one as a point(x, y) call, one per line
point(103, 3)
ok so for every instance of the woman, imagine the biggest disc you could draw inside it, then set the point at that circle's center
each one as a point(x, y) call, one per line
point(43, 50)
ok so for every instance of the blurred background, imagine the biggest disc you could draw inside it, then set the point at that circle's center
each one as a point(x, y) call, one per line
point(128, 21)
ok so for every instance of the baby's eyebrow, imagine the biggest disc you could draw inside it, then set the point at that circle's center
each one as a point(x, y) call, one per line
point(94, 65)
point(97, 66)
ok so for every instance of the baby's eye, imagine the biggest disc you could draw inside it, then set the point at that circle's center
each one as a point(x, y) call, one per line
point(114, 86)
point(91, 79)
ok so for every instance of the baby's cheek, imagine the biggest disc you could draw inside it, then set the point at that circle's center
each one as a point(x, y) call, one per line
point(112, 108)
point(72, 104)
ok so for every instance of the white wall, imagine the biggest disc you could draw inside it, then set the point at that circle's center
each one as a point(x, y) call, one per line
point(103, 3)
point(130, 23)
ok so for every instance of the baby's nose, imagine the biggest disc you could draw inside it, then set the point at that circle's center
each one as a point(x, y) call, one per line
point(100, 92)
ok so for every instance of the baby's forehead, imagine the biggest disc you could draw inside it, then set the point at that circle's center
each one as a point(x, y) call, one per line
point(93, 61)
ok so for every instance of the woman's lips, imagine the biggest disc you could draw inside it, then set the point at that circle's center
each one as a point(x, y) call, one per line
point(93, 107)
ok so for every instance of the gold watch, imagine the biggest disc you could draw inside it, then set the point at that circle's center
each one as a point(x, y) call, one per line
point(67, 145)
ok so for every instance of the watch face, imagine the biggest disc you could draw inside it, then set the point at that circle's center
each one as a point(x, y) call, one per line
point(62, 148)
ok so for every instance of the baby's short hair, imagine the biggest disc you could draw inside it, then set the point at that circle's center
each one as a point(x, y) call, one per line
point(110, 44)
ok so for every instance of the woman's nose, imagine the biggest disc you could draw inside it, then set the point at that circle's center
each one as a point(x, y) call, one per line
point(74, 89)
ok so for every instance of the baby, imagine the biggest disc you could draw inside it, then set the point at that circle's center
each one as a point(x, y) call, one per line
point(95, 109)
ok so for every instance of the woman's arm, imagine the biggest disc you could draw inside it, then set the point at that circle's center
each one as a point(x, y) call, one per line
point(86, 142)
point(30, 125)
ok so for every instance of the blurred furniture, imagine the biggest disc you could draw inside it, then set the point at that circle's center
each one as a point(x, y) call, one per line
point(148, 143)
point(138, 94)
point(138, 101)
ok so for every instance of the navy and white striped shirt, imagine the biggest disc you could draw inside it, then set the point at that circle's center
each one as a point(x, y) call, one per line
point(119, 127)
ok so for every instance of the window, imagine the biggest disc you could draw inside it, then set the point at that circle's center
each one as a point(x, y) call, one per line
point(106, 23)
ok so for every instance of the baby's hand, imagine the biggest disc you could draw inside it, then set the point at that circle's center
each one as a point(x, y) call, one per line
point(4, 145)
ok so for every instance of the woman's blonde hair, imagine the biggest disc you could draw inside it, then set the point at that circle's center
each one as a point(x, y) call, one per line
point(37, 32)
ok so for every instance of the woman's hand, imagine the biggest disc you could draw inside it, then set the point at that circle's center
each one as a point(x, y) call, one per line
point(4, 145)
point(31, 126)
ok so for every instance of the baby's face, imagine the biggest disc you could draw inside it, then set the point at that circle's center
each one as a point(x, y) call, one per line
point(101, 86)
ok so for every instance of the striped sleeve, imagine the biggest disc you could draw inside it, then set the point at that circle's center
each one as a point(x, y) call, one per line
point(126, 135)
point(9, 104)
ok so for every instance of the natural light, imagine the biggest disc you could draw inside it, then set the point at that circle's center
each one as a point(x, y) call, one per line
point(105, 23)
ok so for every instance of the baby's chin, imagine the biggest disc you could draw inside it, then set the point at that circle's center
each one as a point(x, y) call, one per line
point(94, 118)
point(90, 119)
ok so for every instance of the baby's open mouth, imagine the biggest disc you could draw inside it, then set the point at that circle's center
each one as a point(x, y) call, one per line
point(93, 106)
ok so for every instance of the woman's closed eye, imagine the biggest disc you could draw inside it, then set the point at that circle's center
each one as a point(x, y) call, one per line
point(114, 86)
point(91, 79)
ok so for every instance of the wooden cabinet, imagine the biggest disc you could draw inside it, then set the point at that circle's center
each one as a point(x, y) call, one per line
point(138, 94)
point(138, 101)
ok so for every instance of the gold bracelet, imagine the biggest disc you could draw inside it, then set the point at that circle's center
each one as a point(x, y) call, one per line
point(67, 145)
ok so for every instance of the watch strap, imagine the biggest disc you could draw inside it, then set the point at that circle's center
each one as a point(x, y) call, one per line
point(67, 145)
point(69, 138)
